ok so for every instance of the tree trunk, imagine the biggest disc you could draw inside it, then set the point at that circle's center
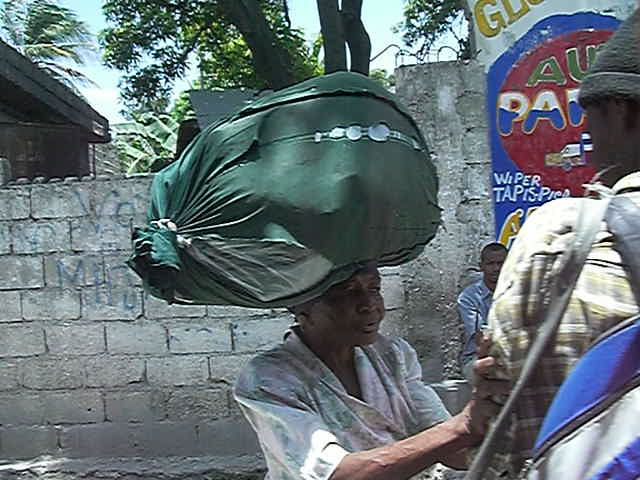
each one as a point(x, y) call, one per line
point(271, 63)
point(469, 17)
point(356, 36)
point(335, 56)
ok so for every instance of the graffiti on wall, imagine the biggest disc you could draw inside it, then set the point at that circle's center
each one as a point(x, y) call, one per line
point(109, 288)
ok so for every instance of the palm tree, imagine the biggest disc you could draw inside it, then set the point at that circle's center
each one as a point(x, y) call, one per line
point(50, 35)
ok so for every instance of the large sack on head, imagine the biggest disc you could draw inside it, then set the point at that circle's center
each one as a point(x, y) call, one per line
point(286, 197)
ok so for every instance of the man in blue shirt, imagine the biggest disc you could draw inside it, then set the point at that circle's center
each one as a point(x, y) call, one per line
point(475, 301)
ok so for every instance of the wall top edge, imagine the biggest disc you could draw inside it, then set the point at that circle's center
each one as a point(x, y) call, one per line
point(25, 181)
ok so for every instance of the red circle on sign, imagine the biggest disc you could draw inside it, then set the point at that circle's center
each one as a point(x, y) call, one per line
point(539, 119)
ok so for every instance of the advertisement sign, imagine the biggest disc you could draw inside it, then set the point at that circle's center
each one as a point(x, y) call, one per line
point(536, 53)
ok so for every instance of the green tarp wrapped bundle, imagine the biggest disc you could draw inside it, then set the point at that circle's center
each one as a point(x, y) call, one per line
point(288, 196)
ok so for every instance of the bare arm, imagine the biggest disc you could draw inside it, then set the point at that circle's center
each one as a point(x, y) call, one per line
point(445, 442)
point(403, 459)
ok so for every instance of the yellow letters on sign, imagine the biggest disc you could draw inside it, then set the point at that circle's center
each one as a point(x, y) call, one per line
point(479, 13)
point(512, 225)
point(515, 15)
point(491, 21)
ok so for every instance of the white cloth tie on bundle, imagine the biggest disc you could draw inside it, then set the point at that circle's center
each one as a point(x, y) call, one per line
point(168, 224)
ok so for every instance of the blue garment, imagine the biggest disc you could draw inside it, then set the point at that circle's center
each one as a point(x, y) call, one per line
point(474, 304)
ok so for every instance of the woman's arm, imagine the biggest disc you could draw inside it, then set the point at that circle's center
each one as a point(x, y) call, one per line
point(403, 459)
point(445, 442)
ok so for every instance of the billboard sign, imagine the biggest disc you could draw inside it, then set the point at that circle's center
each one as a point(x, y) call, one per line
point(536, 53)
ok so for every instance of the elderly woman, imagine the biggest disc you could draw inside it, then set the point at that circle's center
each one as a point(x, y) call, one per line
point(339, 400)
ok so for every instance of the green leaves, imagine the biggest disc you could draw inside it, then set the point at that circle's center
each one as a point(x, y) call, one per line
point(147, 144)
point(50, 35)
point(426, 21)
point(156, 42)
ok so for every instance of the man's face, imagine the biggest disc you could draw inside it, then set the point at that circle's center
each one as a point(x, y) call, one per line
point(603, 135)
point(614, 128)
point(490, 265)
point(351, 312)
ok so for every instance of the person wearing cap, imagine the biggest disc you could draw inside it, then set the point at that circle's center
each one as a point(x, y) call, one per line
point(337, 399)
point(603, 296)
point(474, 303)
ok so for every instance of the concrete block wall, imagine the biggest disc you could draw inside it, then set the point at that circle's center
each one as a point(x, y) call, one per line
point(447, 99)
point(90, 366)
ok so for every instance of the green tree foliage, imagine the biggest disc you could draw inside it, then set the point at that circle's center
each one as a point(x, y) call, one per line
point(426, 21)
point(182, 108)
point(146, 144)
point(50, 35)
point(388, 80)
point(155, 42)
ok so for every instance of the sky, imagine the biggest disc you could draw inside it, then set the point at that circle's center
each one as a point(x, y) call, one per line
point(379, 18)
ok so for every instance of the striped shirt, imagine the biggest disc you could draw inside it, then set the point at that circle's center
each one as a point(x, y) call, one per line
point(602, 298)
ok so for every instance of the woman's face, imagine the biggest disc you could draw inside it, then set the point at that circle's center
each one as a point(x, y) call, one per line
point(350, 312)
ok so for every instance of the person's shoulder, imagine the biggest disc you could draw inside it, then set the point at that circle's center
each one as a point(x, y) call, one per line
point(267, 367)
point(470, 294)
point(558, 215)
point(550, 226)
point(547, 233)
point(472, 288)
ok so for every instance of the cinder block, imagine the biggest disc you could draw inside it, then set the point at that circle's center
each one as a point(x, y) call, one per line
point(74, 407)
point(21, 341)
point(8, 375)
point(15, 203)
point(166, 439)
point(59, 201)
point(21, 272)
point(178, 371)
point(75, 339)
point(260, 334)
point(91, 234)
point(22, 443)
point(122, 199)
point(476, 185)
point(65, 271)
point(5, 238)
point(140, 189)
point(106, 302)
point(393, 292)
point(22, 409)
point(226, 437)
point(51, 304)
point(30, 236)
point(109, 371)
point(197, 404)
point(156, 308)
point(225, 369)
point(11, 307)
point(97, 440)
point(228, 311)
point(118, 273)
point(198, 336)
point(145, 406)
point(51, 374)
point(136, 338)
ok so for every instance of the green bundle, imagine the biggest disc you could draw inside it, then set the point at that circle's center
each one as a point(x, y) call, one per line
point(288, 196)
